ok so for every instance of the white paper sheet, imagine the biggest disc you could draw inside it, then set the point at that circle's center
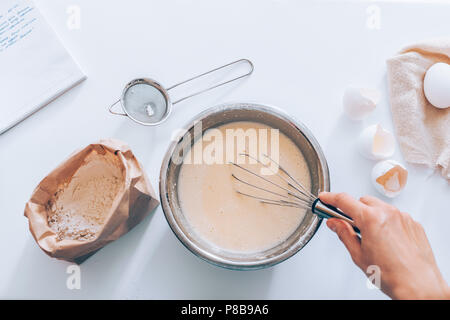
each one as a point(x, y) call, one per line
point(35, 68)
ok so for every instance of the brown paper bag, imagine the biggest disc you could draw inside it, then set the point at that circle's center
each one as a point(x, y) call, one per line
point(133, 199)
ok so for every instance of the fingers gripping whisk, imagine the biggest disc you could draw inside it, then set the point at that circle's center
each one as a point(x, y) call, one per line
point(282, 189)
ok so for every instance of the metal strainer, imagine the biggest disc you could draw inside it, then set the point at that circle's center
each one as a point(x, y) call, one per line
point(147, 102)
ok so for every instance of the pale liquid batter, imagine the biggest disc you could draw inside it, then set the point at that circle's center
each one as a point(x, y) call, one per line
point(231, 221)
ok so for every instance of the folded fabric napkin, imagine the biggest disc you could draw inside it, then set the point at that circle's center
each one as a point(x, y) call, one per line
point(423, 131)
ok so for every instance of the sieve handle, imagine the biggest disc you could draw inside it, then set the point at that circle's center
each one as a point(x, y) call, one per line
point(216, 85)
point(114, 112)
point(328, 211)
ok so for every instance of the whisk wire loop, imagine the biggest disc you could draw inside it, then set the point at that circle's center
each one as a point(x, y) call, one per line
point(296, 196)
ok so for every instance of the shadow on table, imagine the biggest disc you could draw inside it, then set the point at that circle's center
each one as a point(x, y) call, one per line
point(38, 276)
point(174, 272)
point(341, 147)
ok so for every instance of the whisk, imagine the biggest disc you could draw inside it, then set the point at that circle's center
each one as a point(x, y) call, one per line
point(294, 194)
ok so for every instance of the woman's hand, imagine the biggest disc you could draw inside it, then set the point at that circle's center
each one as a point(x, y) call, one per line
point(391, 240)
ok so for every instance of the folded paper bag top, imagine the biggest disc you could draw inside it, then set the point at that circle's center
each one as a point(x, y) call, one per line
point(94, 197)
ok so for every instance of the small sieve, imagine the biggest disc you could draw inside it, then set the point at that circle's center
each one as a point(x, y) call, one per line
point(147, 102)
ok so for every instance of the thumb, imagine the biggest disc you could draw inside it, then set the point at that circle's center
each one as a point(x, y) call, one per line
point(348, 237)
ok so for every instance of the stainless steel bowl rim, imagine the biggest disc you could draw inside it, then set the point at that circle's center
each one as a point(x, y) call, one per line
point(204, 254)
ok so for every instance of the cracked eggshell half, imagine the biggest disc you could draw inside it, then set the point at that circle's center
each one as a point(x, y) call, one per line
point(389, 177)
point(360, 102)
point(376, 143)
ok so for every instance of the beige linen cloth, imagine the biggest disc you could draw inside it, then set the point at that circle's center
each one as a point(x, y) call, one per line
point(423, 131)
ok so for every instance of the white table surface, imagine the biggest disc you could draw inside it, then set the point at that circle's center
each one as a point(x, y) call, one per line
point(305, 54)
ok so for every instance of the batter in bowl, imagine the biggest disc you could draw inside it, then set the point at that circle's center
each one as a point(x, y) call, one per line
point(207, 191)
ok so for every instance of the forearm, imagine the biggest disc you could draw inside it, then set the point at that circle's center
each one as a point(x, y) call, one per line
point(427, 287)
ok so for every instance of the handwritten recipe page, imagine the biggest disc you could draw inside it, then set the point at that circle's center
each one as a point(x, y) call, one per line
point(35, 68)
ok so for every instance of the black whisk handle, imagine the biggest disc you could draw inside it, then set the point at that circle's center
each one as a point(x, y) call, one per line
point(327, 211)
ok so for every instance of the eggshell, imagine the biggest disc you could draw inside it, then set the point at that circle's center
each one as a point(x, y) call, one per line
point(360, 102)
point(389, 177)
point(436, 85)
point(376, 143)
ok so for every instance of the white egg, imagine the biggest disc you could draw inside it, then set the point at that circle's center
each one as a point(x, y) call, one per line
point(360, 102)
point(376, 143)
point(436, 85)
point(389, 177)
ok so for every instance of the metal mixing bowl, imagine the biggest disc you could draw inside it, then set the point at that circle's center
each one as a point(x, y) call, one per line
point(272, 117)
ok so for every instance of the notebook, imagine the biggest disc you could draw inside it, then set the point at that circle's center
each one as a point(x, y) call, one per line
point(35, 68)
